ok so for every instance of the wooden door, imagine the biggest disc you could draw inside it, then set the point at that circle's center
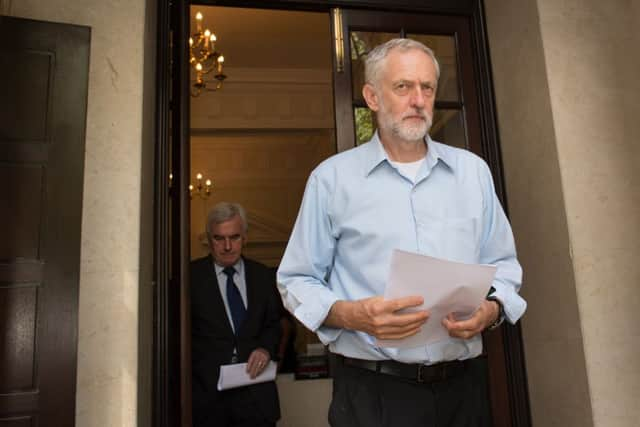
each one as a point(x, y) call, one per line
point(457, 121)
point(43, 81)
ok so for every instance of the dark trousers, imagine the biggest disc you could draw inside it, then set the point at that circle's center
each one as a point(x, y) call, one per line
point(234, 408)
point(363, 398)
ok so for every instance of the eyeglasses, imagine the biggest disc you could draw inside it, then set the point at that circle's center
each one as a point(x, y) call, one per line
point(219, 240)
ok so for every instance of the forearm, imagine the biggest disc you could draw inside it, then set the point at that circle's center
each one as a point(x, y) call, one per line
point(339, 315)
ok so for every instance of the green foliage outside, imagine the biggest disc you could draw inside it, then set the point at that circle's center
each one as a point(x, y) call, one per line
point(364, 125)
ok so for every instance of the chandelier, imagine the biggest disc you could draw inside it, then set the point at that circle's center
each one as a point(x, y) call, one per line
point(204, 58)
point(200, 190)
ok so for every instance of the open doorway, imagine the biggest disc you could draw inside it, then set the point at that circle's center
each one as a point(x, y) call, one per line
point(254, 140)
point(472, 112)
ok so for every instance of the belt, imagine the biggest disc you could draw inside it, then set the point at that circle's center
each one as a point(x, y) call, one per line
point(419, 373)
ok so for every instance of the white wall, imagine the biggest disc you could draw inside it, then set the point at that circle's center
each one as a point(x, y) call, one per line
point(107, 379)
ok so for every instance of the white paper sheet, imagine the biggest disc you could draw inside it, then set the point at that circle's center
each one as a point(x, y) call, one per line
point(232, 376)
point(446, 286)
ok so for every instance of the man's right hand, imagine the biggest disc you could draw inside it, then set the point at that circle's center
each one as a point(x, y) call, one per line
point(378, 317)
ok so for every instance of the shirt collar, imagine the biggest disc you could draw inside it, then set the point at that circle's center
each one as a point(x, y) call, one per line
point(238, 266)
point(376, 154)
point(439, 152)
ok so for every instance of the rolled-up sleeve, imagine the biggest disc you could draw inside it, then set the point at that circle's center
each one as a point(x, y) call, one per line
point(498, 248)
point(307, 261)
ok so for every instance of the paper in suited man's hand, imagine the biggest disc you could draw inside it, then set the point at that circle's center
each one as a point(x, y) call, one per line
point(232, 376)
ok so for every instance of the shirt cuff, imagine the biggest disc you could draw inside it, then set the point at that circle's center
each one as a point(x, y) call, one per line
point(513, 304)
point(312, 310)
point(328, 335)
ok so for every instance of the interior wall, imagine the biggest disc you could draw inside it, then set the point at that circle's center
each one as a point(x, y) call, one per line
point(110, 260)
point(266, 172)
point(567, 109)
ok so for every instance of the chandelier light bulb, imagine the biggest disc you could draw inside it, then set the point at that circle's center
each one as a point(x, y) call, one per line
point(198, 67)
point(208, 183)
point(199, 176)
point(207, 33)
point(199, 16)
point(190, 41)
point(213, 37)
point(221, 59)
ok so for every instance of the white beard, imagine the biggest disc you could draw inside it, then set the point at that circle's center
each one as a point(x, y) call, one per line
point(403, 130)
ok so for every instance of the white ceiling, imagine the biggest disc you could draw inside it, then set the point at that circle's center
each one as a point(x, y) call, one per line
point(262, 38)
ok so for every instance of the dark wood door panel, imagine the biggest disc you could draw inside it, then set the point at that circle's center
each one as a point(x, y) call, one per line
point(17, 422)
point(31, 82)
point(21, 203)
point(43, 79)
point(18, 310)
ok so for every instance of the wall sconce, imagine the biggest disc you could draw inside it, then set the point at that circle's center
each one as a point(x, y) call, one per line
point(199, 189)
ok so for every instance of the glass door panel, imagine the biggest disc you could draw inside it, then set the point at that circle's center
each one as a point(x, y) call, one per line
point(448, 127)
point(361, 44)
point(445, 49)
point(456, 115)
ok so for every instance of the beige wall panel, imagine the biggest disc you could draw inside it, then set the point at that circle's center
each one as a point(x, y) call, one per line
point(551, 327)
point(593, 63)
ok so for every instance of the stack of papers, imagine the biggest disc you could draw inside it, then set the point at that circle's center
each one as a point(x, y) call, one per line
point(446, 286)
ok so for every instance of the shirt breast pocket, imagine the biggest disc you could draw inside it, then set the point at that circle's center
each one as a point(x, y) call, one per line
point(454, 239)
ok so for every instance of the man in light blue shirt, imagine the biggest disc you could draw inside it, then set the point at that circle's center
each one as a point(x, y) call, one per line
point(401, 190)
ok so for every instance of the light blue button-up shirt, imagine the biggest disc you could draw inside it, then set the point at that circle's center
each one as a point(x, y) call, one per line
point(357, 207)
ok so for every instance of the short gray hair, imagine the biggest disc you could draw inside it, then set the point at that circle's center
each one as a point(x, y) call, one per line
point(224, 211)
point(374, 60)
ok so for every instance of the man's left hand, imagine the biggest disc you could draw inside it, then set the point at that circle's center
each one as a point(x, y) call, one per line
point(483, 317)
point(258, 361)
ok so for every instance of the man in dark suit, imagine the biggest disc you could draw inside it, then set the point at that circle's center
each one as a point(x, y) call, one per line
point(234, 319)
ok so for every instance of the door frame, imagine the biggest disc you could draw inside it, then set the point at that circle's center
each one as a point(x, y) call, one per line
point(171, 390)
point(171, 347)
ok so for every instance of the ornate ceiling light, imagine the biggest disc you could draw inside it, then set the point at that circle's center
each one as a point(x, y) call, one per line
point(204, 58)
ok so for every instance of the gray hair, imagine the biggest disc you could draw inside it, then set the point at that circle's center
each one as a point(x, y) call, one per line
point(224, 211)
point(374, 60)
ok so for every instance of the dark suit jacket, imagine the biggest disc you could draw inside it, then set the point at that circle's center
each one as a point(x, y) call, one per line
point(213, 340)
